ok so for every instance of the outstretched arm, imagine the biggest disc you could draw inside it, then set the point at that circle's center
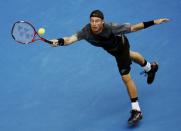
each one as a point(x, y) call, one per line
point(65, 40)
point(144, 25)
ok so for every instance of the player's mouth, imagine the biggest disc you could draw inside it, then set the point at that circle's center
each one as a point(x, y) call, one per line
point(94, 28)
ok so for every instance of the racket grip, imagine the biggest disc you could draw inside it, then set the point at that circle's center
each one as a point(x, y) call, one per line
point(47, 41)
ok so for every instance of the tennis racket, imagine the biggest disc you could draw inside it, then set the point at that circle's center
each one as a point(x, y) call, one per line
point(23, 32)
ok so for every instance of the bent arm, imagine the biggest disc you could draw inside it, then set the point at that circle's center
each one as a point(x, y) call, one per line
point(144, 25)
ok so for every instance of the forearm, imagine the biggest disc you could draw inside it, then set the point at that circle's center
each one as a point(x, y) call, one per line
point(147, 24)
point(142, 25)
point(66, 40)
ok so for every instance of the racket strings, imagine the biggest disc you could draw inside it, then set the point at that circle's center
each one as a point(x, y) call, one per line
point(23, 32)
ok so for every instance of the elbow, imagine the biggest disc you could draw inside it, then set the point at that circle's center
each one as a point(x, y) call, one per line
point(133, 29)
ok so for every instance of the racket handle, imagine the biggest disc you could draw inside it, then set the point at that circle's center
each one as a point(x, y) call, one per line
point(47, 41)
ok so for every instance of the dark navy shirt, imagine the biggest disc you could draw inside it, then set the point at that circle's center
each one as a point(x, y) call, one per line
point(109, 38)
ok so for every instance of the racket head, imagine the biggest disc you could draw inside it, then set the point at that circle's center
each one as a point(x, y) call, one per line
point(23, 32)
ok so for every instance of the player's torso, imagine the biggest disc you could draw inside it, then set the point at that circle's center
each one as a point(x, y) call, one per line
point(105, 39)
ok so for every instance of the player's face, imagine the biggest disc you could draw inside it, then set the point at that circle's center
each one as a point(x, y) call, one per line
point(96, 24)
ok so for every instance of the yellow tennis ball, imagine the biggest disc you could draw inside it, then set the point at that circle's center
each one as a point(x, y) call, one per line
point(41, 31)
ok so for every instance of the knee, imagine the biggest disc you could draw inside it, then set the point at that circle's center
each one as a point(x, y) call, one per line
point(126, 78)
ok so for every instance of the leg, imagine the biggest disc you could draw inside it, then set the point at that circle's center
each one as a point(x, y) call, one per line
point(136, 114)
point(124, 69)
point(131, 87)
point(124, 61)
point(137, 58)
point(150, 69)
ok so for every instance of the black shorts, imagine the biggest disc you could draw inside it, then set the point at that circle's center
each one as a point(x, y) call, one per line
point(122, 56)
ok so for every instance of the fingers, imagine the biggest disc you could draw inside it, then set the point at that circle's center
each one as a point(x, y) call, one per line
point(55, 42)
point(165, 20)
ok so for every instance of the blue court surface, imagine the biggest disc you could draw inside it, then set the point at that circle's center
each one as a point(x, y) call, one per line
point(78, 87)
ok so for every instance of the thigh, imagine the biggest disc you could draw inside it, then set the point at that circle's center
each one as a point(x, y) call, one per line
point(124, 60)
point(123, 64)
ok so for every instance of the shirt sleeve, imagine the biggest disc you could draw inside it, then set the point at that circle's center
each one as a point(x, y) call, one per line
point(81, 34)
point(121, 28)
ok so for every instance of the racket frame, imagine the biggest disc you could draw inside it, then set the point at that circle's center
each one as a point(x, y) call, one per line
point(35, 35)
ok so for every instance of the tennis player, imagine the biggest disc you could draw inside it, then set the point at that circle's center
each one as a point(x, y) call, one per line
point(111, 37)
